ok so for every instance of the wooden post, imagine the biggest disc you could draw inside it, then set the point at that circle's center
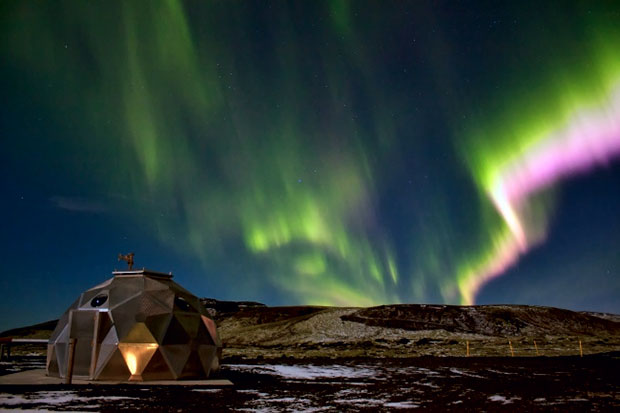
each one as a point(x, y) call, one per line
point(512, 352)
point(580, 349)
point(536, 346)
point(69, 376)
point(467, 348)
point(94, 347)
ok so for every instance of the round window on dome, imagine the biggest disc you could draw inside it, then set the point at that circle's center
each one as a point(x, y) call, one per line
point(99, 300)
point(182, 304)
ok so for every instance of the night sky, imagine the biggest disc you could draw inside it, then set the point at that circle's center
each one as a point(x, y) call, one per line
point(312, 152)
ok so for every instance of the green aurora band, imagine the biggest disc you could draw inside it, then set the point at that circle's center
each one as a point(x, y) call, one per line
point(577, 131)
point(227, 164)
point(258, 171)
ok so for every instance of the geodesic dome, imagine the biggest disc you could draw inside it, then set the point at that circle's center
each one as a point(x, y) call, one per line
point(138, 325)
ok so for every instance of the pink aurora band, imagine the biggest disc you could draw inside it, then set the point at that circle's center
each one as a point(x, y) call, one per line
point(590, 138)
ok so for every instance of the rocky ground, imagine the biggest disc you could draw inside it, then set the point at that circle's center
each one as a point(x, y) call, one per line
point(492, 384)
point(403, 331)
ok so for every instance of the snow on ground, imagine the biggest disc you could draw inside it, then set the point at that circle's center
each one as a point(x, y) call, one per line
point(427, 384)
point(37, 410)
point(253, 391)
point(464, 373)
point(380, 386)
point(361, 402)
point(401, 405)
point(503, 399)
point(309, 372)
point(500, 372)
point(51, 398)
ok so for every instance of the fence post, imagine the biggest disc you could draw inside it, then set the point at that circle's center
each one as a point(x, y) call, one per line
point(467, 348)
point(536, 346)
point(512, 352)
point(580, 349)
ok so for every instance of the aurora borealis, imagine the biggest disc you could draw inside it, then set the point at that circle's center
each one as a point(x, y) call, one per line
point(333, 153)
point(589, 139)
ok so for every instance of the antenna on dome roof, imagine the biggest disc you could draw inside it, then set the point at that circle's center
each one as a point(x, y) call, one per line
point(128, 258)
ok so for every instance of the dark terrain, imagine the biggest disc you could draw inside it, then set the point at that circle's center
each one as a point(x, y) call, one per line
point(398, 357)
point(408, 330)
point(562, 384)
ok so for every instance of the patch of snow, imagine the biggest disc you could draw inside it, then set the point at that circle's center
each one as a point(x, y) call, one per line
point(370, 402)
point(308, 372)
point(427, 384)
point(107, 398)
point(498, 398)
point(402, 405)
point(417, 370)
point(501, 372)
point(52, 398)
point(206, 390)
point(252, 391)
point(503, 399)
point(462, 373)
point(9, 399)
point(350, 391)
point(285, 400)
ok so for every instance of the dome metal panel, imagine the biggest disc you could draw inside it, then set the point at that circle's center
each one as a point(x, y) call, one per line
point(176, 356)
point(146, 327)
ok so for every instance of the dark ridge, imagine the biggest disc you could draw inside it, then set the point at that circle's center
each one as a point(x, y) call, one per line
point(491, 320)
point(264, 315)
point(225, 307)
point(30, 330)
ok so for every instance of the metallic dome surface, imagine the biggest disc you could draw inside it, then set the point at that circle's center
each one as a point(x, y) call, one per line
point(138, 325)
